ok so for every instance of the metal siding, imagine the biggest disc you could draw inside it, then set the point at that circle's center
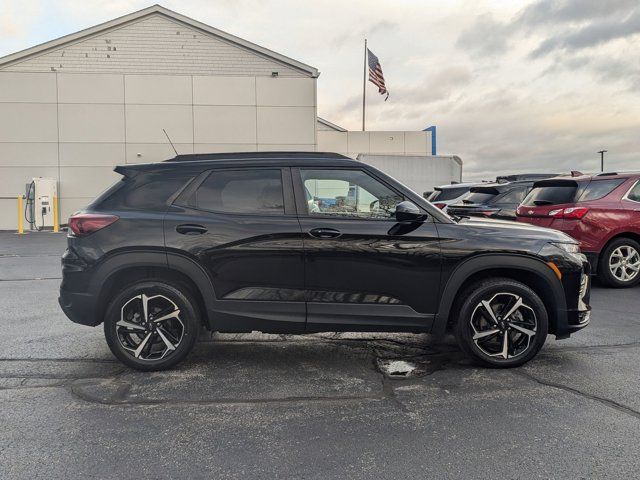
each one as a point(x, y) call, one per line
point(155, 45)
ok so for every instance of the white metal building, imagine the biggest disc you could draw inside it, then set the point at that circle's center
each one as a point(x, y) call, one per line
point(75, 107)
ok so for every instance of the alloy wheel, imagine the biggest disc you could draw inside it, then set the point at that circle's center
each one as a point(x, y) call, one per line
point(150, 327)
point(504, 326)
point(624, 263)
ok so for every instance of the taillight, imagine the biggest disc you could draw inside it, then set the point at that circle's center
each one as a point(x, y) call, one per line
point(571, 213)
point(575, 212)
point(84, 224)
point(440, 205)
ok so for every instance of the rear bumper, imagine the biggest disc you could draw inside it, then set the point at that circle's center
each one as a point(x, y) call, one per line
point(79, 307)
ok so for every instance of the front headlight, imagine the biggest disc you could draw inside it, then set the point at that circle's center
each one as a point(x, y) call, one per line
point(567, 247)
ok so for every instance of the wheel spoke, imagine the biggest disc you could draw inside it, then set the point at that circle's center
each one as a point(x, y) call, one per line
point(487, 307)
point(145, 306)
point(526, 331)
point(513, 308)
point(129, 325)
point(143, 343)
point(505, 345)
point(166, 341)
point(173, 314)
point(486, 333)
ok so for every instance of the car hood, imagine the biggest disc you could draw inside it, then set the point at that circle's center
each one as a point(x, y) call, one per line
point(515, 229)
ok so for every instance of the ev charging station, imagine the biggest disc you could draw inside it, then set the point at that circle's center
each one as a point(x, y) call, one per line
point(41, 203)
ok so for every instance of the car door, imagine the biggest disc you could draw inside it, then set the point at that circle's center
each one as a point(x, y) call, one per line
point(240, 225)
point(363, 269)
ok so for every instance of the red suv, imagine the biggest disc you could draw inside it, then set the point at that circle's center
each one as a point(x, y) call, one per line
point(601, 211)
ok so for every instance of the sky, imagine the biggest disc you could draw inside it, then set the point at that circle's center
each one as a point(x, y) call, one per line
point(512, 86)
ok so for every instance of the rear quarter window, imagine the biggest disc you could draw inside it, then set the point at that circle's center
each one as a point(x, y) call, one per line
point(149, 192)
point(634, 193)
point(598, 189)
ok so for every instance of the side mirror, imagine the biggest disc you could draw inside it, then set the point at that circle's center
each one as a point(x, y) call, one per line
point(408, 211)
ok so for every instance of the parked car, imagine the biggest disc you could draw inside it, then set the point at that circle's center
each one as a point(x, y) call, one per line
point(492, 200)
point(601, 211)
point(307, 242)
point(444, 195)
point(524, 176)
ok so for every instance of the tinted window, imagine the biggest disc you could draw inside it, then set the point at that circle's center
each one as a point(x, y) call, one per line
point(512, 196)
point(634, 194)
point(598, 189)
point(242, 191)
point(149, 192)
point(478, 197)
point(349, 193)
point(556, 195)
point(448, 194)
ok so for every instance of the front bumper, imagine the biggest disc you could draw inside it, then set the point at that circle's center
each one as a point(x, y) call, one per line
point(578, 312)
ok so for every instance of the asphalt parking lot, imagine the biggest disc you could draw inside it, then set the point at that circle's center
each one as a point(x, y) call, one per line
point(316, 406)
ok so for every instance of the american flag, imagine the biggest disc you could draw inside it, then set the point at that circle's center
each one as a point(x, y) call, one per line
point(375, 74)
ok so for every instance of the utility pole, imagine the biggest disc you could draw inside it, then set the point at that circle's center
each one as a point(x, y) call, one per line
point(602, 152)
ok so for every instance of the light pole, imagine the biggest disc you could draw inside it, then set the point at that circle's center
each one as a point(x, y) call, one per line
point(602, 152)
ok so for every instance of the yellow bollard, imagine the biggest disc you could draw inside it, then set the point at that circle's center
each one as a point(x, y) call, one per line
point(56, 223)
point(20, 218)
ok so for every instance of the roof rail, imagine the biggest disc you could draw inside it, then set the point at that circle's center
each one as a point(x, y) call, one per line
point(196, 157)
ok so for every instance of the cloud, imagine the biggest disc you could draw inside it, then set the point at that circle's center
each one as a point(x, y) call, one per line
point(487, 36)
point(380, 28)
point(595, 33)
point(556, 12)
point(567, 25)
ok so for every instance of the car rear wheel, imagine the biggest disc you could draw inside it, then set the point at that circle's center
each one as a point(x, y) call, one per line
point(151, 325)
point(620, 263)
point(501, 323)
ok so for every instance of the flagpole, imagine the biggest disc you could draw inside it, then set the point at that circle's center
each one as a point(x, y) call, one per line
point(364, 83)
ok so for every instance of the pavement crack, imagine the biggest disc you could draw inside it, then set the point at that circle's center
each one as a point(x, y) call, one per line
point(602, 400)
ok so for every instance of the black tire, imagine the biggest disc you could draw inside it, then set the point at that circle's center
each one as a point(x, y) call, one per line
point(161, 295)
point(503, 293)
point(604, 272)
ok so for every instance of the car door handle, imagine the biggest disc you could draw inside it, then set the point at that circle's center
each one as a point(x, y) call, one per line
point(189, 229)
point(324, 233)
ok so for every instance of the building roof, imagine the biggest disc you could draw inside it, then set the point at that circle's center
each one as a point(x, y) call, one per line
point(146, 12)
point(330, 125)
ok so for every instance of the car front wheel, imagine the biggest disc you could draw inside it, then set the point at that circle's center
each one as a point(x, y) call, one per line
point(151, 325)
point(501, 323)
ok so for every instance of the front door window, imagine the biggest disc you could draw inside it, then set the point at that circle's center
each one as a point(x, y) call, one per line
point(348, 193)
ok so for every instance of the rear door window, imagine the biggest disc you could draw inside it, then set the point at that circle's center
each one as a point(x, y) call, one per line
point(552, 195)
point(598, 189)
point(241, 191)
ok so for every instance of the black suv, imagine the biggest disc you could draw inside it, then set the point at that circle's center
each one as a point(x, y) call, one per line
point(308, 242)
point(492, 200)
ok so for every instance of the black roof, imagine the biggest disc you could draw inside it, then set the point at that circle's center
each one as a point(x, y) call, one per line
point(203, 160)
